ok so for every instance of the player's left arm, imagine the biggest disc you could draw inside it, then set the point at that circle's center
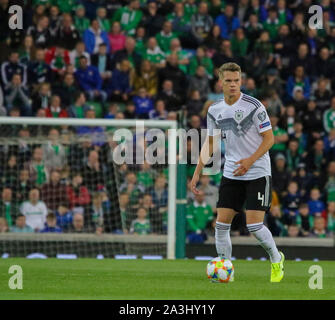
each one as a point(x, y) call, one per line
point(245, 164)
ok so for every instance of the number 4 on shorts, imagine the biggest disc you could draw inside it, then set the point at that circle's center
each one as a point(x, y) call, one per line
point(261, 197)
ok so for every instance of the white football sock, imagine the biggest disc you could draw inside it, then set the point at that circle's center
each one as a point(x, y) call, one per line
point(264, 236)
point(222, 240)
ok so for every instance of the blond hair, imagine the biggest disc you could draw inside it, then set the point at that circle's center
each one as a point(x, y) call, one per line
point(229, 66)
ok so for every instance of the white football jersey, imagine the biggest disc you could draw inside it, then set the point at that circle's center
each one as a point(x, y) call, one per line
point(240, 125)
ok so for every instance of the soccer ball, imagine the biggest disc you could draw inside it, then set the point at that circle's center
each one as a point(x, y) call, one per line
point(220, 270)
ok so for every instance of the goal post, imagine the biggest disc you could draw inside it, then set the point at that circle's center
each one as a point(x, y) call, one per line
point(170, 127)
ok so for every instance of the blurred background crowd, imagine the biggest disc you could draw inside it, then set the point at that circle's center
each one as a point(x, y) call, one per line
point(158, 59)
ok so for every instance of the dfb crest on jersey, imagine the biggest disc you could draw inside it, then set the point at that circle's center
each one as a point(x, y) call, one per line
point(223, 135)
point(239, 115)
point(261, 116)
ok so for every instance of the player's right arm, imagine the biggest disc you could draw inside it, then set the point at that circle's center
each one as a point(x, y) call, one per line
point(205, 153)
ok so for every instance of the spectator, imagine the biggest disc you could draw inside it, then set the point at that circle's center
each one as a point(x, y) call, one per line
point(77, 52)
point(172, 100)
point(34, 210)
point(78, 225)
point(111, 111)
point(102, 19)
point(20, 225)
point(316, 159)
point(280, 135)
point(51, 224)
point(55, 109)
point(58, 58)
point(158, 218)
point(291, 203)
point(134, 189)
point(38, 70)
point(239, 43)
point(141, 225)
point(81, 23)
point(67, 32)
point(119, 84)
point(153, 53)
point(54, 193)
point(146, 78)
point(304, 219)
point(103, 62)
point(210, 191)
point(100, 212)
point(200, 83)
point(17, 96)
point(128, 53)
point(66, 90)
point(322, 95)
point(23, 187)
point(312, 121)
point(3, 225)
point(271, 24)
point(159, 193)
point(199, 215)
point(143, 104)
point(41, 33)
point(228, 22)
point(27, 51)
point(64, 217)
point(319, 229)
point(331, 216)
point(117, 39)
point(79, 108)
point(94, 172)
point(159, 113)
point(89, 80)
point(201, 23)
point(96, 133)
point(329, 187)
point(329, 116)
point(78, 194)
point(54, 152)
point(41, 98)
point(8, 208)
point(129, 17)
point(213, 40)
point(273, 221)
point(152, 20)
point(125, 212)
point(195, 104)
point(299, 79)
point(165, 36)
point(280, 176)
point(293, 157)
point(94, 36)
point(293, 231)
point(315, 205)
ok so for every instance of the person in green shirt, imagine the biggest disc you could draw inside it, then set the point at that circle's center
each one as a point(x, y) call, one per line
point(65, 6)
point(329, 116)
point(330, 184)
point(80, 21)
point(165, 36)
point(180, 21)
point(141, 225)
point(154, 54)
point(129, 17)
point(239, 43)
point(104, 23)
point(199, 215)
point(331, 216)
point(146, 175)
point(319, 229)
point(183, 55)
point(280, 135)
point(272, 24)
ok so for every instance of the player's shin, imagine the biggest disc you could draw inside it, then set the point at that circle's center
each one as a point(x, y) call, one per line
point(265, 239)
point(222, 240)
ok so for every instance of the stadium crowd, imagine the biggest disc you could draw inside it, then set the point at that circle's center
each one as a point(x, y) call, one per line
point(158, 59)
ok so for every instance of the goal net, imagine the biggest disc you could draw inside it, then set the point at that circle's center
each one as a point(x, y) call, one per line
point(87, 187)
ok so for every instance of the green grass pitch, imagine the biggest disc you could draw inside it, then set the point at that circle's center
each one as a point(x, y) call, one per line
point(146, 280)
